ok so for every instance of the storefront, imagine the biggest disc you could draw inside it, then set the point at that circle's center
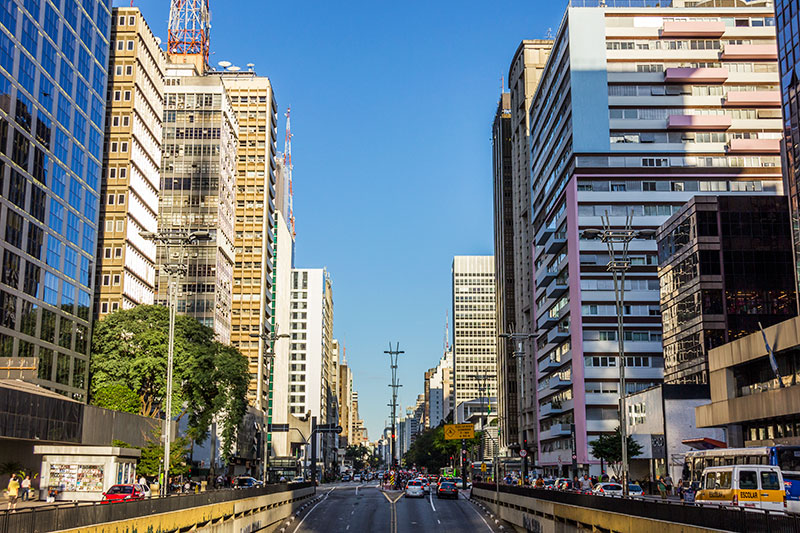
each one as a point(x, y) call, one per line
point(84, 473)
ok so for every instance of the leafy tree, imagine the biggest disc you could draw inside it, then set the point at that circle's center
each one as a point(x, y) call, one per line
point(430, 449)
point(359, 455)
point(129, 349)
point(609, 448)
point(118, 397)
point(150, 462)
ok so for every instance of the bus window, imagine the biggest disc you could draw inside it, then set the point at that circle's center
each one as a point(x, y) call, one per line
point(710, 481)
point(724, 479)
point(769, 481)
point(748, 480)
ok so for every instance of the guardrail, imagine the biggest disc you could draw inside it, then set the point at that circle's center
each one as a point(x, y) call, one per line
point(80, 514)
point(704, 516)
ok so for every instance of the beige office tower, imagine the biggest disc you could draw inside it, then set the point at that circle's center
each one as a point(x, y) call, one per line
point(254, 104)
point(345, 397)
point(474, 330)
point(198, 176)
point(126, 272)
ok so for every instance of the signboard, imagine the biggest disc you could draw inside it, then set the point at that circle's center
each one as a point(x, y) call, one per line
point(329, 428)
point(659, 446)
point(459, 431)
point(277, 428)
point(483, 467)
point(523, 453)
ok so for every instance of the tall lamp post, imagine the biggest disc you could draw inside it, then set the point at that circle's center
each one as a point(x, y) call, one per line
point(393, 356)
point(518, 355)
point(269, 338)
point(618, 265)
point(174, 271)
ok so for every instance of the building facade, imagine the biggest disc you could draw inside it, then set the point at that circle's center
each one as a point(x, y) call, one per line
point(253, 102)
point(126, 262)
point(198, 194)
point(474, 327)
point(527, 68)
point(53, 77)
point(725, 268)
point(640, 109)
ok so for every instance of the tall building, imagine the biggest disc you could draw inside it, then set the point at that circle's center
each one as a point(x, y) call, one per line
point(787, 18)
point(51, 153)
point(474, 329)
point(439, 392)
point(640, 109)
point(527, 68)
point(507, 364)
point(198, 194)
point(126, 272)
point(253, 102)
point(726, 269)
point(345, 399)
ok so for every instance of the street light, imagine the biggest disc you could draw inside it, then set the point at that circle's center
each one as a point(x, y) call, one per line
point(518, 356)
point(267, 337)
point(618, 266)
point(181, 239)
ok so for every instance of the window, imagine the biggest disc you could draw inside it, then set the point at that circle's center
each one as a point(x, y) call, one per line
point(131, 21)
point(769, 480)
point(107, 253)
point(127, 95)
point(130, 45)
point(116, 279)
point(104, 307)
point(106, 280)
point(118, 252)
point(123, 147)
point(748, 480)
point(129, 70)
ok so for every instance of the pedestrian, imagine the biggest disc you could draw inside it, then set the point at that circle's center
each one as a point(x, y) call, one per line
point(12, 491)
point(586, 483)
point(668, 483)
point(283, 479)
point(142, 480)
point(26, 488)
point(662, 487)
point(539, 482)
point(187, 486)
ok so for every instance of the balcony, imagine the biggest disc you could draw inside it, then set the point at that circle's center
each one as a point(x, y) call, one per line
point(557, 335)
point(550, 409)
point(556, 242)
point(547, 321)
point(558, 382)
point(693, 28)
point(594, 398)
point(549, 364)
point(753, 98)
point(750, 51)
point(698, 122)
point(557, 288)
point(602, 425)
point(545, 276)
point(543, 234)
point(695, 75)
point(751, 146)
point(555, 431)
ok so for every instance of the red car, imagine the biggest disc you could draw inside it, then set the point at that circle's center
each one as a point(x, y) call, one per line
point(123, 493)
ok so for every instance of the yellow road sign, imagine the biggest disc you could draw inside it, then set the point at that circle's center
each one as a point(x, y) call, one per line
point(483, 467)
point(459, 431)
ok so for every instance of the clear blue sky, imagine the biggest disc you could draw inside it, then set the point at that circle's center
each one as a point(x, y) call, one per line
point(392, 106)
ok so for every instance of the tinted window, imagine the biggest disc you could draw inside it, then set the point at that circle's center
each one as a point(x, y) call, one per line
point(748, 480)
point(120, 489)
point(612, 486)
point(769, 480)
point(414, 484)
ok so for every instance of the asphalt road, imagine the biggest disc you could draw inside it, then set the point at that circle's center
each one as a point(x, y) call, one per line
point(344, 509)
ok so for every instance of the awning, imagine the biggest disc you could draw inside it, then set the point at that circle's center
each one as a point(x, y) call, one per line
point(704, 443)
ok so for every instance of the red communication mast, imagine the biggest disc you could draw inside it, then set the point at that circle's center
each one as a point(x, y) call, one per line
point(189, 28)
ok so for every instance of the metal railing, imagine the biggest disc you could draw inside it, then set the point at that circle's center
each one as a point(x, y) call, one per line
point(704, 516)
point(80, 514)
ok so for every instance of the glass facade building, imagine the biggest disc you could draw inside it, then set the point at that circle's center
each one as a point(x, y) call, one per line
point(53, 74)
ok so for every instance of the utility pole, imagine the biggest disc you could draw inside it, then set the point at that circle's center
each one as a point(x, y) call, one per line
point(314, 450)
point(518, 356)
point(393, 356)
point(174, 272)
point(618, 266)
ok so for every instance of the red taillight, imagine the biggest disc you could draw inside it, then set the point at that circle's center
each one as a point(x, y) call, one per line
point(601, 489)
point(735, 500)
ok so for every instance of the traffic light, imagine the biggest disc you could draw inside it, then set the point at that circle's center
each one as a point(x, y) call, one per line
point(525, 444)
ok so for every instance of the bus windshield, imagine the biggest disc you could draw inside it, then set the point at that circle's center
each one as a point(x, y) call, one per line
point(789, 459)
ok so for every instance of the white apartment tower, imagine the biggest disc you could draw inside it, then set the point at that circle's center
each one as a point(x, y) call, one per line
point(474, 328)
point(639, 110)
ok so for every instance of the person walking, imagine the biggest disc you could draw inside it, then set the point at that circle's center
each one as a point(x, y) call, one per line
point(12, 491)
point(662, 487)
point(668, 483)
point(26, 488)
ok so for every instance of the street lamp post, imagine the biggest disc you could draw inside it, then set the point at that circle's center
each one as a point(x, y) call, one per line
point(618, 265)
point(269, 338)
point(393, 356)
point(174, 271)
point(518, 355)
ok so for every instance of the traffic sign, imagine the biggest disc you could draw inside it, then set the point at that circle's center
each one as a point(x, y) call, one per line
point(523, 453)
point(277, 428)
point(329, 428)
point(483, 467)
point(459, 431)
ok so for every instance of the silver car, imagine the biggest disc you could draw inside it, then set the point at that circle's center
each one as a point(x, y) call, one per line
point(414, 489)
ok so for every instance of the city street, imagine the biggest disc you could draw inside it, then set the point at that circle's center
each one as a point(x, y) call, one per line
point(350, 507)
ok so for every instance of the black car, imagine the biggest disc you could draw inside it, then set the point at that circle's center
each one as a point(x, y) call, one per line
point(447, 489)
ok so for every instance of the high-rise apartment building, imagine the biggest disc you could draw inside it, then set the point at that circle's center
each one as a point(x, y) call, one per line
point(527, 67)
point(726, 270)
point(640, 109)
point(787, 18)
point(253, 102)
point(126, 271)
point(198, 194)
point(474, 328)
point(344, 394)
point(53, 75)
point(439, 391)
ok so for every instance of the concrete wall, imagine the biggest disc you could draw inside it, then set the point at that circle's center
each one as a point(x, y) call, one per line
point(101, 426)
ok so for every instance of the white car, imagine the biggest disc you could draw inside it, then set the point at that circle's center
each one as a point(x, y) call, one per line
point(607, 489)
point(144, 488)
point(634, 489)
point(357, 478)
point(414, 489)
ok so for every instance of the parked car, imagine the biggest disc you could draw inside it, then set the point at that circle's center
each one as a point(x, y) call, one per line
point(634, 489)
point(145, 489)
point(447, 489)
point(247, 482)
point(123, 493)
point(298, 479)
point(357, 478)
point(607, 489)
point(345, 477)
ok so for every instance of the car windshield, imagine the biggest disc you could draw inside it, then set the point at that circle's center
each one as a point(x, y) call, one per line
point(612, 486)
point(120, 489)
point(634, 487)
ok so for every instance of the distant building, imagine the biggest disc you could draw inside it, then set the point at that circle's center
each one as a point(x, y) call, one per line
point(725, 266)
point(474, 328)
point(748, 399)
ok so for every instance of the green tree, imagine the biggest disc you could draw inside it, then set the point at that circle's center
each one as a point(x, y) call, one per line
point(609, 448)
point(118, 397)
point(430, 449)
point(153, 454)
point(358, 455)
point(129, 349)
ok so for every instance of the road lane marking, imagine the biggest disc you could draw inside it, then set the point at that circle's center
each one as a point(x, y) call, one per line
point(432, 506)
point(300, 523)
point(481, 517)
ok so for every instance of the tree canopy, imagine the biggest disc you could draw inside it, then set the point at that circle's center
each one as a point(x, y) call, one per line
point(609, 448)
point(430, 450)
point(359, 455)
point(129, 358)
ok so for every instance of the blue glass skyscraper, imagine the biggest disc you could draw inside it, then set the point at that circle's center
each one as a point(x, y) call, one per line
point(53, 74)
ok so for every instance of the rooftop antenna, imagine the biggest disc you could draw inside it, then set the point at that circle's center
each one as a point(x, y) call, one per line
point(502, 84)
point(189, 29)
point(446, 331)
point(250, 66)
point(549, 34)
point(287, 166)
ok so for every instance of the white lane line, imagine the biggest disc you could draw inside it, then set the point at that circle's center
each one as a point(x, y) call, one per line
point(432, 506)
point(357, 487)
point(481, 517)
point(439, 521)
point(300, 523)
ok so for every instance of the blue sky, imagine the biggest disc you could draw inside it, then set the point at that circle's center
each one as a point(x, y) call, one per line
point(392, 105)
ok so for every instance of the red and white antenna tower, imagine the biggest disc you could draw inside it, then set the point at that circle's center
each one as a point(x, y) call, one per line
point(447, 331)
point(287, 165)
point(189, 28)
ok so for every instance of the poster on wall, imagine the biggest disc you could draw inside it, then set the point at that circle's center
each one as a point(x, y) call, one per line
point(77, 478)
